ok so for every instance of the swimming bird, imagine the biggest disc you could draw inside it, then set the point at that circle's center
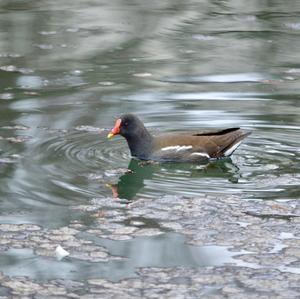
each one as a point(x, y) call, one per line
point(176, 147)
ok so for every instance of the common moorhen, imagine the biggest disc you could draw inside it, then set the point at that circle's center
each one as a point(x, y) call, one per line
point(176, 147)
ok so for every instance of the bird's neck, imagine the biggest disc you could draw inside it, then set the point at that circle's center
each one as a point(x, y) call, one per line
point(140, 144)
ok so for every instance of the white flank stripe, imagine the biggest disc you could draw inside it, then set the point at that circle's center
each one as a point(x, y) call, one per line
point(201, 154)
point(177, 148)
point(232, 149)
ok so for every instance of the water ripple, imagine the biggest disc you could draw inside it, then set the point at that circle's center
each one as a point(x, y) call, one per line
point(222, 78)
point(85, 148)
point(84, 162)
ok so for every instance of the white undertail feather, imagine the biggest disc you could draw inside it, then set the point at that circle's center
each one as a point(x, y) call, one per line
point(232, 149)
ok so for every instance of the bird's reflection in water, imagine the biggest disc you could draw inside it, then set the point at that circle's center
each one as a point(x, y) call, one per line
point(139, 172)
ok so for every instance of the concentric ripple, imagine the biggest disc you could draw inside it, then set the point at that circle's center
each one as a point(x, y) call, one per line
point(85, 164)
point(58, 163)
point(88, 151)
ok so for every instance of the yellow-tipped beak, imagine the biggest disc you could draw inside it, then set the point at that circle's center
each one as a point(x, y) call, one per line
point(116, 129)
point(110, 135)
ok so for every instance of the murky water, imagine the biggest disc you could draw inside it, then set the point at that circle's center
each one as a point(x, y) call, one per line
point(24, 262)
point(68, 69)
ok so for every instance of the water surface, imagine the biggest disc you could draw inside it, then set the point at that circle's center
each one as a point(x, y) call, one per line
point(68, 69)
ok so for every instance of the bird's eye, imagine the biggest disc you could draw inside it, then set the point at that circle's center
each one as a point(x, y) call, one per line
point(126, 124)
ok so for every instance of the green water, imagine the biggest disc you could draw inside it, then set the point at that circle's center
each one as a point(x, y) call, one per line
point(69, 68)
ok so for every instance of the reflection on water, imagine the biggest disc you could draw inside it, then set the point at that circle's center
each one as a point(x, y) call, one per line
point(226, 78)
point(139, 173)
point(167, 250)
